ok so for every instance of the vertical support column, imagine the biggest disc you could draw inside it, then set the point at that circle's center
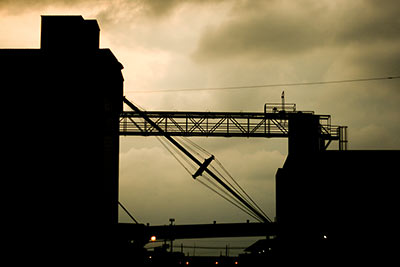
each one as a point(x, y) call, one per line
point(227, 124)
point(248, 126)
point(342, 137)
point(207, 125)
point(304, 133)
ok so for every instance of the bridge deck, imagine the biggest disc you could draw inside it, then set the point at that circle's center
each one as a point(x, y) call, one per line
point(221, 124)
point(168, 232)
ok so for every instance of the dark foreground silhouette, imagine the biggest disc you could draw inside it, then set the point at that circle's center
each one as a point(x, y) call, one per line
point(61, 107)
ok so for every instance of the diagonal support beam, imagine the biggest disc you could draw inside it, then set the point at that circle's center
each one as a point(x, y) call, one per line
point(195, 160)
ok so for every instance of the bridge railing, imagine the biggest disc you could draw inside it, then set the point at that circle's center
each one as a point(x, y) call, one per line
point(206, 124)
point(223, 124)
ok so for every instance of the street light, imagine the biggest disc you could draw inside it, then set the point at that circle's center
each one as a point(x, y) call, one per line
point(172, 220)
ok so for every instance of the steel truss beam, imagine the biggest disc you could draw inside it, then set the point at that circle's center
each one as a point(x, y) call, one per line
point(222, 124)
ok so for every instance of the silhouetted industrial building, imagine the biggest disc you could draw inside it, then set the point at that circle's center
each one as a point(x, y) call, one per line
point(339, 206)
point(63, 103)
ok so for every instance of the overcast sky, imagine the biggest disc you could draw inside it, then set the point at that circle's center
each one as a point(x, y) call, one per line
point(172, 44)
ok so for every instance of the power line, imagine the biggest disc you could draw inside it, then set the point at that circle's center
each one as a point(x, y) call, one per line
point(165, 145)
point(236, 189)
point(263, 85)
point(232, 201)
point(230, 176)
point(197, 161)
point(222, 193)
point(213, 186)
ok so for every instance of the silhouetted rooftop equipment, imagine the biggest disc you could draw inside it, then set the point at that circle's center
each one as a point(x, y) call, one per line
point(69, 33)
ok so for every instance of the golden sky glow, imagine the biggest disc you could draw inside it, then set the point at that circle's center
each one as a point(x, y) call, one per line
point(192, 44)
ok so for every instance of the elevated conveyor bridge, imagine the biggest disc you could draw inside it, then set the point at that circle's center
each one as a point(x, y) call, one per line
point(272, 123)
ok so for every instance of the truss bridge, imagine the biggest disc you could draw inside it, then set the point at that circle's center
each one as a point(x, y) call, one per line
point(274, 122)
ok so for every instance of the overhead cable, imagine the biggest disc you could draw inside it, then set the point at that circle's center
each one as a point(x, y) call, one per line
point(263, 85)
point(213, 186)
point(195, 160)
point(237, 184)
point(232, 202)
point(233, 184)
point(165, 145)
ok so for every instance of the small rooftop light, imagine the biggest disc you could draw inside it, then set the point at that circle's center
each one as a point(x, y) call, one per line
point(153, 238)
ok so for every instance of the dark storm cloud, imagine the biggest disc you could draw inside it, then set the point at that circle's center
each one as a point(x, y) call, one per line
point(161, 7)
point(154, 8)
point(20, 6)
point(371, 22)
point(254, 37)
point(380, 59)
point(265, 30)
point(150, 10)
point(275, 29)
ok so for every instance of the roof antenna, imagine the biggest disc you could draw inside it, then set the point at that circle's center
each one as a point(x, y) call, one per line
point(283, 101)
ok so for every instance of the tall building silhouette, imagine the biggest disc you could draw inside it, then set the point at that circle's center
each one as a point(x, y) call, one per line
point(62, 104)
